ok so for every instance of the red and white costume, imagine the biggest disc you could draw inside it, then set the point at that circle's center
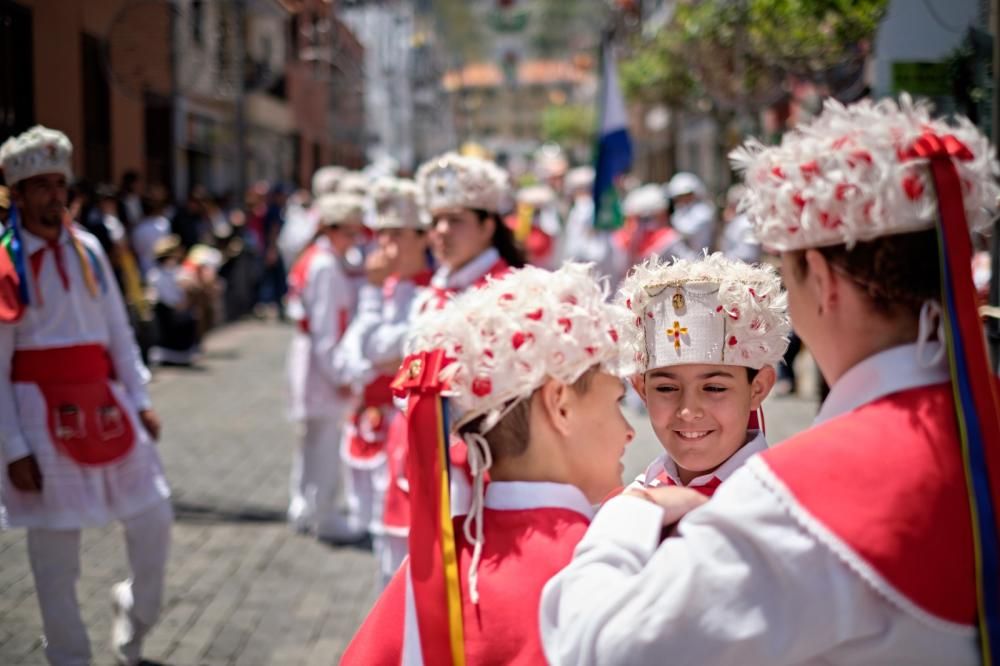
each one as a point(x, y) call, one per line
point(530, 532)
point(321, 301)
point(741, 582)
point(71, 387)
point(850, 543)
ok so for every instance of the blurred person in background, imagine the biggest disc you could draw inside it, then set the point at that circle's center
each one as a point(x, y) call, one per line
point(648, 230)
point(189, 223)
point(153, 226)
point(737, 234)
point(398, 271)
point(176, 326)
point(130, 207)
point(535, 223)
point(692, 214)
point(322, 302)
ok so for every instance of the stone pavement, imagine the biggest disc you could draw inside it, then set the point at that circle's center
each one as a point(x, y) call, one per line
point(241, 587)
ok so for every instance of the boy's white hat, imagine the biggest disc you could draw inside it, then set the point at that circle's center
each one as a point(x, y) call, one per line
point(340, 208)
point(510, 336)
point(580, 178)
point(854, 174)
point(326, 179)
point(353, 182)
point(38, 151)
point(645, 201)
point(397, 205)
point(685, 182)
point(714, 310)
point(536, 196)
point(455, 181)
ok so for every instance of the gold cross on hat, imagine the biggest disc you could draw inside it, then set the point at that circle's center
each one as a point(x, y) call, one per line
point(676, 331)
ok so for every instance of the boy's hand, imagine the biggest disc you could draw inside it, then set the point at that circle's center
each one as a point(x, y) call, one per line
point(674, 501)
point(25, 475)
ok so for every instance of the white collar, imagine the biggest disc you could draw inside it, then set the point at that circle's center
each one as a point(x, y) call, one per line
point(664, 463)
point(33, 242)
point(887, 372)
point(523, 495)
point(468, 274)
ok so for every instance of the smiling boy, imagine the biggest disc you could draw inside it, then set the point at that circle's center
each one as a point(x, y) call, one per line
point(707, 335)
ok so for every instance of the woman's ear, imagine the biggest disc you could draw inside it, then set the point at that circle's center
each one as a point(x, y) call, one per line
point(761, 386)
point(554, 400)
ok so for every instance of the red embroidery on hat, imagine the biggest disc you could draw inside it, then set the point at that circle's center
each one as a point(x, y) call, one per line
point(590, 350)
point(842, 189)
point(650, 315)
point(756, 324)
point(571, 300)
point(487, 353)
point(482, 386)
point(535, 316)
point(809, 169)
point(778, 172)
point(841, 142)
point(566, 324)
point(799, 201)
point(913, 187)
point(628, 303)
point(861, 156)
point(638, 321)
point(507, 297)
point(519, 339)
point(732, 340)
point(829, 221)
point(614, 334)
point(793, 230)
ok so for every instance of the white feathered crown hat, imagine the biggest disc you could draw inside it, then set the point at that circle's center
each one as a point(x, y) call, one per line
point(714, 310)
point(38, 151)
point(326, 179)
point(853, 174)
point(508, 337)
point(340, 208)
point(398, 205)
point(456, 181)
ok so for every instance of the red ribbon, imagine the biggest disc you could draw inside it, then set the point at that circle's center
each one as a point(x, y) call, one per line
point(419, 374)
point(937, 148)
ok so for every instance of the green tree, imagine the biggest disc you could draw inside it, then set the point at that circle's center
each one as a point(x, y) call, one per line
point(568, 125)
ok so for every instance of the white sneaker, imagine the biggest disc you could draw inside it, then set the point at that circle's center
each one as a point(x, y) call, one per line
point(126, 637)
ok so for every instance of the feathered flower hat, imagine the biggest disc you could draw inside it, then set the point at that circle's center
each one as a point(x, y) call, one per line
point(38, 151)
point(353, 182)
point(340, 208)
point(326, 180)
point(645, 201)
point(855, 173)
point(456, 181)
point(508, 337)
point(398, 205)
point(714, 310)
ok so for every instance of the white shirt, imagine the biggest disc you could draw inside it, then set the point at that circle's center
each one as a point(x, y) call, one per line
point(746, 582)
point(327, 303)
point(664, 464)
point(467, 275)
point(144, 238)
point(73, 495)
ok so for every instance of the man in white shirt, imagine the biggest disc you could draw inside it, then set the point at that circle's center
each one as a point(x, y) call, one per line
point(76, 424)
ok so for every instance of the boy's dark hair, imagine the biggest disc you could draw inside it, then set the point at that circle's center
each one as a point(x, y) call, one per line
point(503, 239)
point(898, 273)
point(509, 438)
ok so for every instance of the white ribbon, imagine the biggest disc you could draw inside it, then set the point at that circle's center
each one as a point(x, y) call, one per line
point(480, 460)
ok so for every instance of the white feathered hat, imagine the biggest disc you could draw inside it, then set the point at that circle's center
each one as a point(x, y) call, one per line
point(397, 205)
point(326, 179)
point(714, 310)
point(644, 201)
point(580, 178)
point(853, 174)
point(353, 182)
point(38, 151)
point(457, 181)
point(510, 336)
point(340, 208)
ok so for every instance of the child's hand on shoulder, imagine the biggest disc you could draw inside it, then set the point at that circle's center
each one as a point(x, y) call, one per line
point(674, 500)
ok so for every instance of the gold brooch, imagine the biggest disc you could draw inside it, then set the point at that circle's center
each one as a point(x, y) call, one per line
point(678, 301)
point(416, 366)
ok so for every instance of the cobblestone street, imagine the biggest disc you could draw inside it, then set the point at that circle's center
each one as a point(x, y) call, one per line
point(241, 587)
